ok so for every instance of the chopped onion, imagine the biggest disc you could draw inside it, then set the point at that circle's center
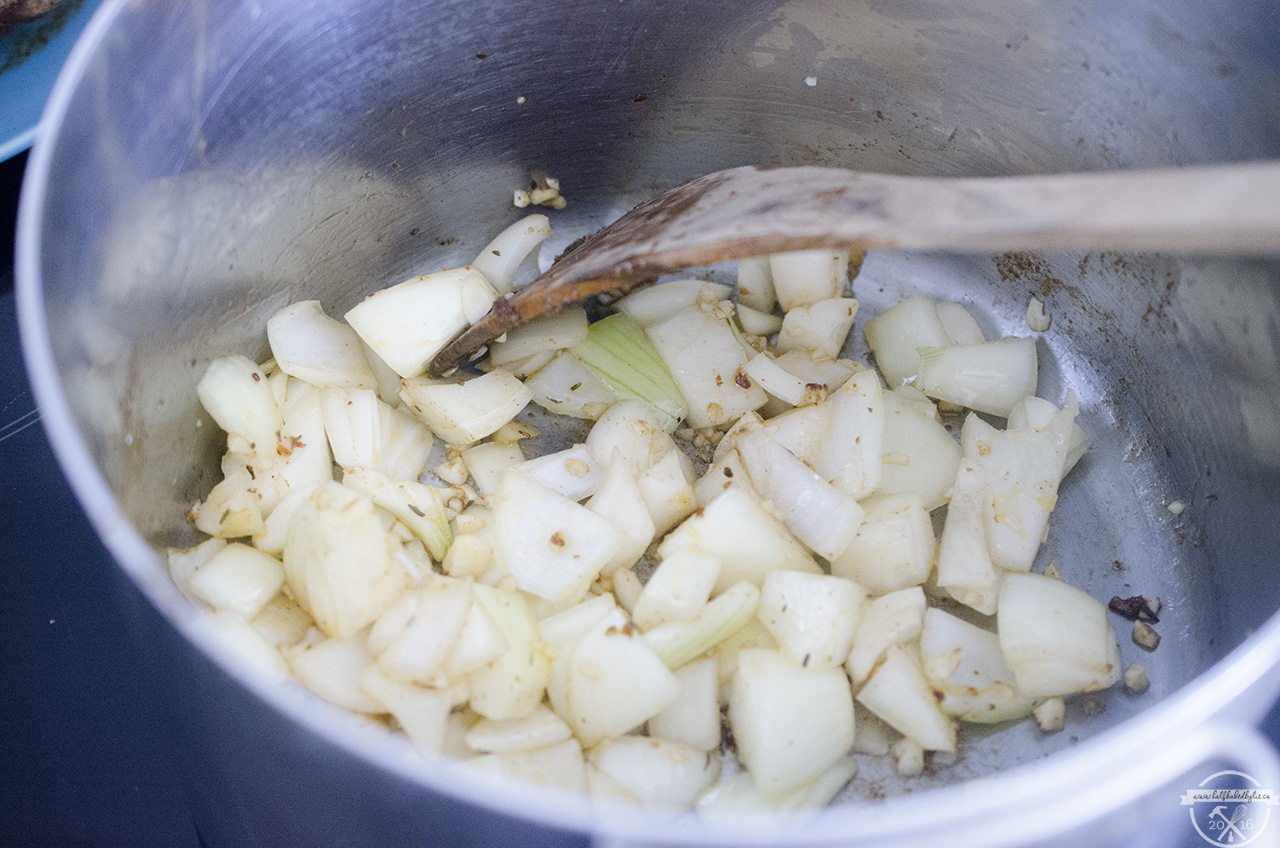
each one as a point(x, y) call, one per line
point(987, 377)
point(462, 413)
point(408, 324)
point(511, 686)
point(896, 335)
point(813, 616)
point(769, 693)
point(501, 257)
point(614, 681)
point(658, 772)
point(965, 664)
point(311, 346)
point(892, 619)
point(755, 284)
point(338, 560)
point(235, 392)
point(1056, 638)
point(567, 387)
point(656, 304)
point(821, 326)
point(706, 362)
point(676, 643)
point(542, 336)
point(540, 728)
point(552, 546)
point(418, 506)
point(693, 718)
point(619, 499)
point(626, 360)
point(893, 548)
point(678, 589)
point(749, 542)
point(239, 579)
point(823, 517)
point(898, 692)
point(805, 277)
point(918, 455)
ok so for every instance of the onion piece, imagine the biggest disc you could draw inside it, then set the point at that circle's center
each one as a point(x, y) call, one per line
point(619, 499)
point(659, 772)
point(892, 619)
point(964, 567)
point(339, 560)
point(541, 337)
point(409, 323)
point(896, 335)
point(614, 681)
point(918, 455)
point(678, 589)
point(411, 641)
point(822, 326)
point(850, 455)
point(804, 277)
point(813, 616)
point(462, 413)
point(418, 506)
point(755, 284)
point(422, 713)
point(513, 685)
point(540, 728)
point(965, 664)
point(893, 548)
point(1056, 638)
point(898, 692)
point(626, 359)
point(500, 258)
point(677, 643)
point(769, 692)
point(706, 363)
point(656, 304)
point(235, 392)
point(311, 346)
point(567, 387)
point(552, 546)
point(560, 766)
point(958, 324)
point(693, 718)
point(239, 579)
point(823, 517)
point(749, 542)
point(987, 377)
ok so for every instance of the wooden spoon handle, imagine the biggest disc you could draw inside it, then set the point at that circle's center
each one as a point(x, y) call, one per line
point(751, 211)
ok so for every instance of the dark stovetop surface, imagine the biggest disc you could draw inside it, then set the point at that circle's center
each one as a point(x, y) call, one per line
point(82, 758)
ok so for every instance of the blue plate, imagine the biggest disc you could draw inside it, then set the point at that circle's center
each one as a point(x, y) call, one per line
point(31, 55)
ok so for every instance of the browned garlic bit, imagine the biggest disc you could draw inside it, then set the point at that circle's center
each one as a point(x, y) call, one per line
point(1037, 320)
point(1135, 679)
point(908, 756)
point(1051, 715)
point(542, 191)
point(1144, 637)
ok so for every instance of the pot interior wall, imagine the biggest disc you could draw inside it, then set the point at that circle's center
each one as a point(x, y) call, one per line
point(268, 152)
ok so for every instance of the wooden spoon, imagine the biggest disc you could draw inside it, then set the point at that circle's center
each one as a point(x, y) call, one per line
point(751, 211)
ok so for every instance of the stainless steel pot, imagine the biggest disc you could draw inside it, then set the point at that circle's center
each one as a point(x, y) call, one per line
point(205, 163)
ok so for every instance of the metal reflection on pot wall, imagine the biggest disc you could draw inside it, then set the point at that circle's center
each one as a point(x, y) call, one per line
point(258, 153)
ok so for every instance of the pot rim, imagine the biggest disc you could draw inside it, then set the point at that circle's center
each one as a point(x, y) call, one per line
point(1123, 753)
